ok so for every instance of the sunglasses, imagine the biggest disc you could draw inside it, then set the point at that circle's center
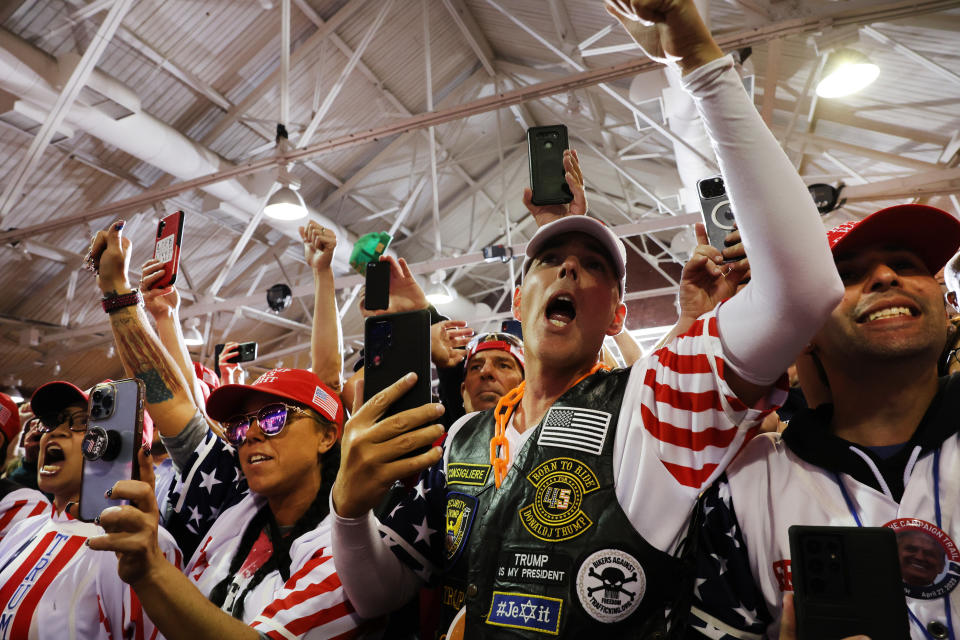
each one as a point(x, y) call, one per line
point(271, 419)
point(75, 421)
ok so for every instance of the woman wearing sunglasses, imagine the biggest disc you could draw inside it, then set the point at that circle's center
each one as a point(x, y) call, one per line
point(252, 513)
point(50, 581)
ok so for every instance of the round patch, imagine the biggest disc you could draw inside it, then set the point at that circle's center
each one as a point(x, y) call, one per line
point(929, 559)
point(610, 585)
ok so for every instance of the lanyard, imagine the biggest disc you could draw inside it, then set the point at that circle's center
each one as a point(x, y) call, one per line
point(499, 445)
point(936, 510)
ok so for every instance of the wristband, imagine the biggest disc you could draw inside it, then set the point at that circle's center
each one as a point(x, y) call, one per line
point(112, 303)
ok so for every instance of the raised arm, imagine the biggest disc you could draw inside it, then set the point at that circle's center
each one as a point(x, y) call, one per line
point(168, 398)
point(794, 283)
point(326, 338)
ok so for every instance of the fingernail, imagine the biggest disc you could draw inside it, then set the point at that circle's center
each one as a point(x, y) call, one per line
point(108, 492)
point(87, 542)
point(440, 409)
point(410, 376)
point(146, 449)
point(119, 225)
point(96, 520)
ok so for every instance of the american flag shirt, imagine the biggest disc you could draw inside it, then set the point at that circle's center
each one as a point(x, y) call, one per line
point(18, 503)
point(211, 507)
point(53, 586)
point(680, 425)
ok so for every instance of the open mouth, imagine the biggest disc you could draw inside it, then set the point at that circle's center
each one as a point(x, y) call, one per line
point(257, 458)
point(561, 310)
point(888, 312)
point(53, 458)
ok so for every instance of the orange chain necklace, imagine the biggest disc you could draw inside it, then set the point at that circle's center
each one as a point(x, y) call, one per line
point(499, 445)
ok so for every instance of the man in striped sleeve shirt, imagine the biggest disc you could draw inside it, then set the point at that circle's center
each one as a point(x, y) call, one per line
point(561, 512)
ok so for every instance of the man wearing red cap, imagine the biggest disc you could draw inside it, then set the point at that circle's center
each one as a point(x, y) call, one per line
point(493, 366)
point(884, 453)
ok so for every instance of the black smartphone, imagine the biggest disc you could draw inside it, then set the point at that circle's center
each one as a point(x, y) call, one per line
point(394, 345)
point(376, 292)
point(246, 351)
point(114, 434)
point(545, 147)
point(715, 209)
point(846, 581)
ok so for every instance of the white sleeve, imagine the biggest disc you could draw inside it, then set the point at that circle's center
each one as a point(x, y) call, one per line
point(375, 580)
point(794, 284)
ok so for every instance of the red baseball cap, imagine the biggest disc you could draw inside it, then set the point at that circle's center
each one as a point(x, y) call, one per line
point(497, 340)
point(53, 397)
point(9, 417)
point(299, 385)
point(931, 233)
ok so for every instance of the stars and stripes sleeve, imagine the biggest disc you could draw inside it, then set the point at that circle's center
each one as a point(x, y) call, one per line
point(210, 482)
point(411, 522)
point(697, 422)
point(727, 603)
point(312, 604)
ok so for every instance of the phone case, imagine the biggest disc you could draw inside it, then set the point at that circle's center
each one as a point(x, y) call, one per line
point(376, 293)
point(545, 146)
point(167, 249)
point(394, 345)
point(114, 434)
point(715, 209)
point(847, 581)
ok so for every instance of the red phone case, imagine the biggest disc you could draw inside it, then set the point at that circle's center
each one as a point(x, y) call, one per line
point(167, 249)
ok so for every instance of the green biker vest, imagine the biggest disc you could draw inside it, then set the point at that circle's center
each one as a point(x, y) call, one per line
point(551, 553)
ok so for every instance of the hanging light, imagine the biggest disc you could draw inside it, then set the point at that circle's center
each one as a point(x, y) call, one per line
point(846, 71)
point(439, 292)
point(12, 389)
point(191, 335)
point(285, 204)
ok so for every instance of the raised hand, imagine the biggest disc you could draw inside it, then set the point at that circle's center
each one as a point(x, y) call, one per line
point(109, 258)
point(318, 245)
point(446, 341)
point(706, 280)
point(164, 301)
point(547, 213)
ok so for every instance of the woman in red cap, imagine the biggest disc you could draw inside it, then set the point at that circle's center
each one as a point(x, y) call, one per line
point(260, 563)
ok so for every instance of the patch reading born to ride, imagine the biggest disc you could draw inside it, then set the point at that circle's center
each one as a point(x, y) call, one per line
point(556, 512)
point(461, 510)
point(610, 585)
point(472, 474)
point(534, 566)
point(525, 611)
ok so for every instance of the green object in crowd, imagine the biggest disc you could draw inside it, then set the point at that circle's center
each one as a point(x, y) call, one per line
point(368, 248)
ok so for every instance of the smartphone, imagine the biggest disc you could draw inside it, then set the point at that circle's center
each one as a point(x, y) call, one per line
point(716, 211)
point(167, 248)
point(394, 345)
point(545, 147)
point(376, 292)
point(114, 435)
point(846, 581)
point(246, 351)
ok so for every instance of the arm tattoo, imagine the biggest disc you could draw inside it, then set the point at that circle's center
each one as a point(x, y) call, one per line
point(142, 354)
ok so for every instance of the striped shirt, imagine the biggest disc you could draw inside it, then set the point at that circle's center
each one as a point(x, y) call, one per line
point(53, 586)
point(18, 505)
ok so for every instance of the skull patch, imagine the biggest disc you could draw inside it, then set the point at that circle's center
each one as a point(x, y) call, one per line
point(610, 585)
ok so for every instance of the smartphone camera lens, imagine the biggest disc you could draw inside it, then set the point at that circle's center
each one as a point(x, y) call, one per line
point(97, 394)
point(548, 145)
point(106, 402)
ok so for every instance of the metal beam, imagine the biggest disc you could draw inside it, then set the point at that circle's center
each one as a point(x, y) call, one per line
point(928, 183)
point(472, 33)
point(911, 54)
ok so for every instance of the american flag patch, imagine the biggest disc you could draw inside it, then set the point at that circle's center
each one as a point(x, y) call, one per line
point(326, 402)
point(575, 428)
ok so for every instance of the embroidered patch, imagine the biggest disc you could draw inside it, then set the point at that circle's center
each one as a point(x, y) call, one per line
point(610, 585)
point(461, 509)
point(556, 513)
point(525, 611)
point(325, 401)
point(929, 559)
point(575, 428)
point(453, 597)
point(534, 566)
point(472, 474)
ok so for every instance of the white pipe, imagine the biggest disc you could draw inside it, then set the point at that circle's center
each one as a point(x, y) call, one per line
point(32, 74)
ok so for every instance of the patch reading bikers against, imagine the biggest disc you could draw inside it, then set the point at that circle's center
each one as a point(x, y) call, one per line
point(471, 474)
point(610, 585)
point(929, 559)
point(461, 509)
point(534, 566)
point(556, 513)
point(525, 611)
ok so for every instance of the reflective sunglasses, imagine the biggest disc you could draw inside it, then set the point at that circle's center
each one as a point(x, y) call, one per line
point(271, 419)
point(75, 421)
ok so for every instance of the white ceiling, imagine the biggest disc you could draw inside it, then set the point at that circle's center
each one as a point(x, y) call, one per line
point(184, 88)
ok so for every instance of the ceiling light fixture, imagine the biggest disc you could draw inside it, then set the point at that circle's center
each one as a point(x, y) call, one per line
point(285, 203)
point(191, 335)
point(846, 71)
point(12, 389)
point(439, 292)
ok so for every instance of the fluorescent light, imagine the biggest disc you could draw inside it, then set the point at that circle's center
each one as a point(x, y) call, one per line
point(285, 204)
point(191, 335)
point(847, 71)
